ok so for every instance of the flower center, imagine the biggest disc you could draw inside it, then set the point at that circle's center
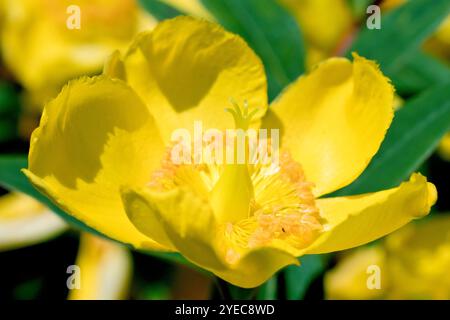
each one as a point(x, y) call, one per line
point(258, 203)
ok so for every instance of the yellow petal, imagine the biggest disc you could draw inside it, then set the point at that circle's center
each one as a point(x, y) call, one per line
point(187, 70)
point(24, 221)
point(334, 120)
point(176, 218)
point(257, 266)
point(114, 67)
point(105, 270)
point(356, 220)
point(181, 218)
point(96, 136)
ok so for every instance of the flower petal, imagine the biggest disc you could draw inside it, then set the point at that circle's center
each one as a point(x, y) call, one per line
point(24, 221)
point(334, 120)
point(177, 218)
point(187, 70)
point(94, 137)
point(181, 218)
point(105, 270)
point(356, 220)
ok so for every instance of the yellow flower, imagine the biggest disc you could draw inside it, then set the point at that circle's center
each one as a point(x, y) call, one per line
point(324, 25)
point(43, 53)
point(414, 264)
point(102, 153)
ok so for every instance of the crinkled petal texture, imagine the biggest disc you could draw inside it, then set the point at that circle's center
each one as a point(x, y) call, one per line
point(188, 70)
point(94, 137)
point(334, 120)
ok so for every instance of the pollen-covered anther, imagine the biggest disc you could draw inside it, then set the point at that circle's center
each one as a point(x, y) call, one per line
point(283, 211)
point(296, 229)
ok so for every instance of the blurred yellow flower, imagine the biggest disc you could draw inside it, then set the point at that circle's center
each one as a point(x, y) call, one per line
point(414, 264)
point(24, 221)
point(105, 266)
point(105, 270)
point(43, 53)
point(444, 147)
point(324, 25)
point(101, 154)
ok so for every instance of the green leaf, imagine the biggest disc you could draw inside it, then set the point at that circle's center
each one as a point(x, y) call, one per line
point(9, 110)
point(9, 99)
point(29, 290)
point(414, 134)
point(159, 10)
point(8, 129)
point(420, 73)
point(270, 31)
point(359, 7)
point(402, 32)
point(12, 178)
point(299, 278)
point(268, 291)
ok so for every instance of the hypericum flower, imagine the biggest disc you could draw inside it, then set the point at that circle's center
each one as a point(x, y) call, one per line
point(413, 263)
point(43, 53)
point(100, 153)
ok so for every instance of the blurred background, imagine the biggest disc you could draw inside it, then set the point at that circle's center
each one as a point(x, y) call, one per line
point(45, 43)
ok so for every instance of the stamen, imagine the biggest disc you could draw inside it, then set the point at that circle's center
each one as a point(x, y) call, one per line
point(256, 204)
point(283, 209)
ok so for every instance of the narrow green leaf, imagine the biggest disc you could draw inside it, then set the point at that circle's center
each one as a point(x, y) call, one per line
point(359, 7)
point(8, 129)
point(402, 32)
point(159, 10)
point(9, 111)
point(414, 134)
point(269, 30)
point(268, 291)
point(420, 73)
point(299, 278)
point(11, 178)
